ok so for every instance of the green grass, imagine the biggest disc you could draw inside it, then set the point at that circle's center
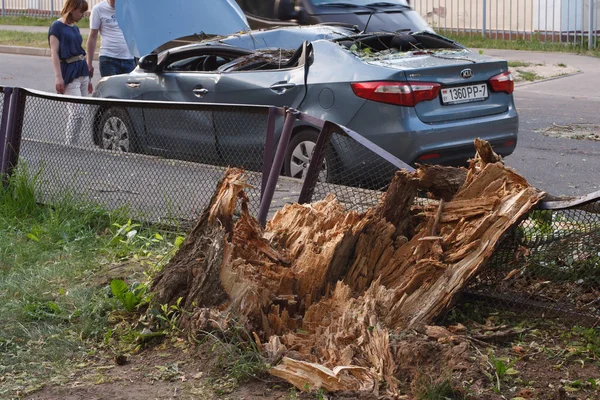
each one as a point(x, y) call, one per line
point(28, 39)
point(54, 299)
point(515, 64)
point(477, 41)
point(37, 21)
point(428, 388)
point(527, 75)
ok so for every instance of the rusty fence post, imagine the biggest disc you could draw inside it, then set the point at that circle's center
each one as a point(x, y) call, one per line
point(12, 127)
point(265, 201)
point(269, 148)
point(312, 174)
point(4, 127)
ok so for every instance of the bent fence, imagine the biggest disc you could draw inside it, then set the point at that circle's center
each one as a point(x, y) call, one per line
point(177, 152)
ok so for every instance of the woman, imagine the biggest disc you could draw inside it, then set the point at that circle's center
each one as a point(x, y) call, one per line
point(71, 71)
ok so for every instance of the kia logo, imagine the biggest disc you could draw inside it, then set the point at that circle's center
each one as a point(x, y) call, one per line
point(466, 73)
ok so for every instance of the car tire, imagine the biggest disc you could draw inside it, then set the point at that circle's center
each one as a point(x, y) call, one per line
point(299, 153)
point(115, 131)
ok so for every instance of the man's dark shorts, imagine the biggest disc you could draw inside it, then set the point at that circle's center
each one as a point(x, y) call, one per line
point(115, 66)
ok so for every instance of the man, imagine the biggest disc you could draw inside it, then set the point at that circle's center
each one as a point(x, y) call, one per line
point(115, 57)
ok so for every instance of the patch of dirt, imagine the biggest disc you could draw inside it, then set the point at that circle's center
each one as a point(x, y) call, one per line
point(573, 131)
point(534, 72)
point(174, 369)
point(545, 364)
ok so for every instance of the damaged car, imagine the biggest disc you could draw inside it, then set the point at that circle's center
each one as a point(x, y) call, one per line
point(418, 95)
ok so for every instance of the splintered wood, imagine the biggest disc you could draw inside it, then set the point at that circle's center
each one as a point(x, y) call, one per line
point(322, 288)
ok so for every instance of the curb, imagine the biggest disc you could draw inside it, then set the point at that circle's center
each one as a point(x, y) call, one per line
point(29, 51)
point(527, 83)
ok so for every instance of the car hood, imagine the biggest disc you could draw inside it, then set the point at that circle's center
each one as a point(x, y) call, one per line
point(147, 24)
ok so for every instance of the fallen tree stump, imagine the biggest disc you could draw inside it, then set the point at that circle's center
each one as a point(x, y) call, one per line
point(322, 288)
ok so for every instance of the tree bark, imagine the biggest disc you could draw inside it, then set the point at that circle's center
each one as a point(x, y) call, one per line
point(324, 287)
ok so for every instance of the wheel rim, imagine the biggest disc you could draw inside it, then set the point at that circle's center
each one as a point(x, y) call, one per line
point(300, 161)
point(115, 135)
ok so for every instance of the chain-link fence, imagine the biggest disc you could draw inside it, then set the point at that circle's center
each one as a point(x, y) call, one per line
point(549, 265)
point(162, 160)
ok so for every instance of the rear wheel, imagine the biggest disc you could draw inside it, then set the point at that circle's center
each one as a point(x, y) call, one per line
point(299, 154)
point(115, 131)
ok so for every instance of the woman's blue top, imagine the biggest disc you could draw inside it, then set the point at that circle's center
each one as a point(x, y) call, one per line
point(70, 40)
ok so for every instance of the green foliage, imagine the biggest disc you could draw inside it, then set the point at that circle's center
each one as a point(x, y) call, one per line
point(37, 21)
point(169, 315)
point(584, 342)
point(542, 220)
point(515, 64)
point(128, 239)
point(237, 354)
point(130, 297)
point(48, 310)
point(534, 44)
point(527, 75)
point(500, 370)
point(428, 388)
point(55, 307)
point(28, 39)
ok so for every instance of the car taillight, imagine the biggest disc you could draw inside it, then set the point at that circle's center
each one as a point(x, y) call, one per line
point(503, 82)
point(398, 93)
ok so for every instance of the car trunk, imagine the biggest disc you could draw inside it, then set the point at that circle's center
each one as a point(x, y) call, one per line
point(459, 98)
point(464, 76)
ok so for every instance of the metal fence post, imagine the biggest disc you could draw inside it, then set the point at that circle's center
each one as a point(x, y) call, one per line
point(483, 26)
point(4, 126)
point(591, 27)
point(310, 180)
point(3, 8)
point(13, 130)
point(284, 140)
point(269, 148)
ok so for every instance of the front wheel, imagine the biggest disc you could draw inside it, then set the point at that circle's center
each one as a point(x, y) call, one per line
point(299, 154)
point(115, 131)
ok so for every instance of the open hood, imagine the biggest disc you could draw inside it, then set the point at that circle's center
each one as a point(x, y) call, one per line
point(147, 24)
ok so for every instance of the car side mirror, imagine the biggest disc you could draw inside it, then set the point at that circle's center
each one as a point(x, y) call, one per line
point(148, 62)
point(285, 10)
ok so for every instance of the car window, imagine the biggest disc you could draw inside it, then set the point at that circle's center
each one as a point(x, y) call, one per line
point(266, 60)
point(204, 63)
point(261, 8)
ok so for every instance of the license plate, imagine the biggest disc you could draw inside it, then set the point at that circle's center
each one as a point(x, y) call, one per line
point(464, 94)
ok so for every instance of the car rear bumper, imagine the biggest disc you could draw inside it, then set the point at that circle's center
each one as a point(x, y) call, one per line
point(399, 131)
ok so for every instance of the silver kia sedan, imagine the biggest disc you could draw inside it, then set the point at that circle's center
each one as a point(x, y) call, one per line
point(418, 95)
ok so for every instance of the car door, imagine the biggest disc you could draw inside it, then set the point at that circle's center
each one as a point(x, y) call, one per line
point(241, 134)
point(182, 129)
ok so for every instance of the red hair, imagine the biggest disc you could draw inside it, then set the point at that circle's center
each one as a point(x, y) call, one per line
point(72, 5)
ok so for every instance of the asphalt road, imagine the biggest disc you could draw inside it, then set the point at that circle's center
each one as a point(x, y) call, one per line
point(560, 166)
